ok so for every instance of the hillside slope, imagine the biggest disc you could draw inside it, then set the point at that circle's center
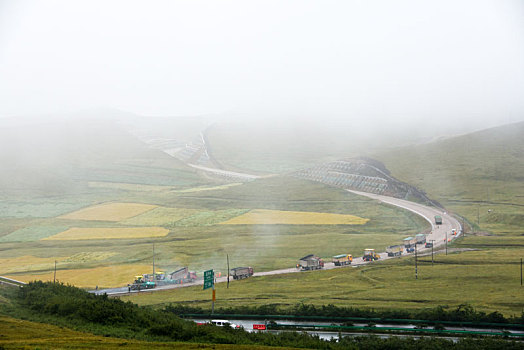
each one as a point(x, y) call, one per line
point(280, 146)
point(58, 157)
point(479, 174)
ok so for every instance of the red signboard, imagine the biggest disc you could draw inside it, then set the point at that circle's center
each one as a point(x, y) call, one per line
point(260, 327)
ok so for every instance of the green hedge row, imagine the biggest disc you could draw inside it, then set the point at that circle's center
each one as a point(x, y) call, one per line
point(66, 305)
point(464, 313)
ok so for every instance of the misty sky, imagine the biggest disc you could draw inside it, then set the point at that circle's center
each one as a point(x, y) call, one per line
point(405, 60)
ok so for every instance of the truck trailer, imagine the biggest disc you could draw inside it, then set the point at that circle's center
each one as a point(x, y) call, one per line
point(394, 250)
point(310, 262)
point(342, 259)
point(239, 273)
point(409, 244)
point(182, 275)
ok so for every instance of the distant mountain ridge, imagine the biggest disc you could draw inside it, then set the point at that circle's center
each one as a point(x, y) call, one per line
point(486, 165)
point(56, 157)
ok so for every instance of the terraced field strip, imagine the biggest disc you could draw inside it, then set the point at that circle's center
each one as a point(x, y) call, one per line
point(271, 217)
point(127, 186)
point(32, 233)
point(27, 263)
point(81, 233)
point(109, 212)
point(208, 188)
point(160, 216)
point(105, 276)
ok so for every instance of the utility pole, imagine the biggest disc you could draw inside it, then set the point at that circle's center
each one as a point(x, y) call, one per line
point(446, 242)
point(478, 216)
point(416, 265)
point(521, 271)
point(432, 243)
point(54, 276)
point(227, 270)
point(213, 298)
point(154, 275)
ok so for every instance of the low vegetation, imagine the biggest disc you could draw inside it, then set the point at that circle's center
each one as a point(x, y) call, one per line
point(489, 280)
point(69, 306)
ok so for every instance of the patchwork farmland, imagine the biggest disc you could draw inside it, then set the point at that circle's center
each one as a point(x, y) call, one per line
point(196, 228)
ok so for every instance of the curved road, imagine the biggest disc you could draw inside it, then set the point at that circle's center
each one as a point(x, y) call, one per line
point(438, 235)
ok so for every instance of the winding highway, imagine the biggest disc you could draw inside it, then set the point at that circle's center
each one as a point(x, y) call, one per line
point(439, 234)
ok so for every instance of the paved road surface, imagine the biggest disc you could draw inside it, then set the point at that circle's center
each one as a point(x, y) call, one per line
point(438, 234)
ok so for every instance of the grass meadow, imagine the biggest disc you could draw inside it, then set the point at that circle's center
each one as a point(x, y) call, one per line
point(109, 212)
point(103, 276)
point(190, 233)
point(489, 280)
point(20, 334)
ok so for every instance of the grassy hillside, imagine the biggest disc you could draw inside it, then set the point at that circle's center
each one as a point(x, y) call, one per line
point(52, 158)
point(92, 316)
point(279, 146)
point(479, 175)
point(20, 334)
point(459, 172)
point(488, 280)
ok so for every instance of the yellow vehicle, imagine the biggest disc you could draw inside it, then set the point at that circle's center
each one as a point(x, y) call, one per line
point(141, 283)
point(370, 255)
point(342, 259)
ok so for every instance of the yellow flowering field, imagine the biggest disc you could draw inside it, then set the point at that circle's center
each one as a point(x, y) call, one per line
point(27, 263)
point(272, 217)
point(109, 212)
point(76, 233)
point(106, 276)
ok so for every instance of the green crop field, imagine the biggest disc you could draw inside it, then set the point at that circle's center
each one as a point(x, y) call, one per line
point(32, 233)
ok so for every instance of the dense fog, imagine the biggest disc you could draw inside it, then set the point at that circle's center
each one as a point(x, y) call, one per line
point(378, 63)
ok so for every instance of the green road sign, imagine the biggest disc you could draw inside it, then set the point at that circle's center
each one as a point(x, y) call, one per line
point(209, 278)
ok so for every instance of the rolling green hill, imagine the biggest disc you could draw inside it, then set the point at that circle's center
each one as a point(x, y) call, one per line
point(280, 146)
point(40, 158)
point(480, 175)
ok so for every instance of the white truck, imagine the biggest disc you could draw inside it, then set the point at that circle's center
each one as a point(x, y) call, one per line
point(394, 250)
point(310, 262)
point(239, 273)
